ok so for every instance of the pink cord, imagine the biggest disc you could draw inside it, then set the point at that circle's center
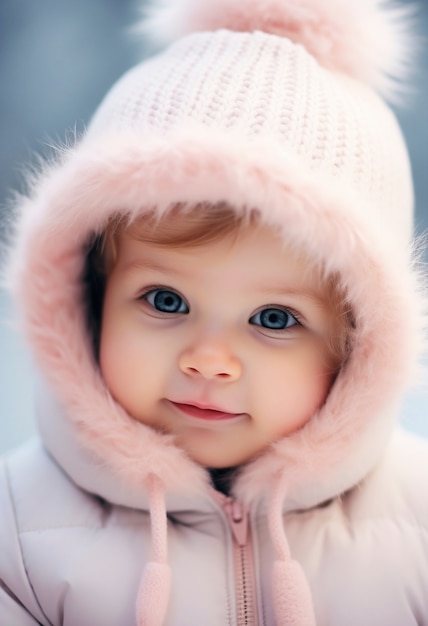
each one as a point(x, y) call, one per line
point(276, 524)
point(292, 598)
point(153, 594)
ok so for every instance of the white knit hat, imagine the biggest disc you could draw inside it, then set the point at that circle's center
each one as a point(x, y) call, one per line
point(265, 85)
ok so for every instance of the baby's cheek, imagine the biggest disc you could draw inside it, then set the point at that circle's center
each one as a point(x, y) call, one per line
point(115, 349)
point(287, 396)
point(111, 362)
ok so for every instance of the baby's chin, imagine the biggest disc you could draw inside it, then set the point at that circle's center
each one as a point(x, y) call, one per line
point(222, 460)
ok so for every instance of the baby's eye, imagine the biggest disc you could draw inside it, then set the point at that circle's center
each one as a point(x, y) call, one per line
point(274, 319)
point(166, 301)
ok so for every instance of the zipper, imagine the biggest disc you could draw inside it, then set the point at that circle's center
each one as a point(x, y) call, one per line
point(238, 518)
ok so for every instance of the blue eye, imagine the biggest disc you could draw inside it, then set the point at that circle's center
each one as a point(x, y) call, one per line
point(166, 301)
point(274, 319)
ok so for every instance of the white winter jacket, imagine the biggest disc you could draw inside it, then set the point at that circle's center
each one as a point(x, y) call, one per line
point(73, 550)
point(270, 108)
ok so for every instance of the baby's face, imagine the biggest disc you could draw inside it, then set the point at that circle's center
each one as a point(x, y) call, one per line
point(225, 346)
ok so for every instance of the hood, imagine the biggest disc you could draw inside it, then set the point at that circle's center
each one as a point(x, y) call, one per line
point(335, 225)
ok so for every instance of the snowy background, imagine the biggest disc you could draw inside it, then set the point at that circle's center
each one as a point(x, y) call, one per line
point(57, 60)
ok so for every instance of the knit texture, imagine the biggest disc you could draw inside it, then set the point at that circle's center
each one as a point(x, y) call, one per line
point(263, 86)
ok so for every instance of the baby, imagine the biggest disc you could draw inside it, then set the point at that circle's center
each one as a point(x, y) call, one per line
point(216, 316)
point(217, 285)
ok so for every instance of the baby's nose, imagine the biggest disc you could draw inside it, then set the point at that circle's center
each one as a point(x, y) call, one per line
point(212, 361)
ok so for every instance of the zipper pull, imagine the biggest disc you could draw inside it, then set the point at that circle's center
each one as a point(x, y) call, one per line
point(238, 519)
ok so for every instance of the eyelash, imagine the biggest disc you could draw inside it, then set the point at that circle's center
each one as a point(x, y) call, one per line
point(296, 319)
point(157, 288)
point(294, 314)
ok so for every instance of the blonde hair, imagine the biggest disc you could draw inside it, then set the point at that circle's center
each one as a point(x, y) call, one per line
point(183, 226)
point(197, 225)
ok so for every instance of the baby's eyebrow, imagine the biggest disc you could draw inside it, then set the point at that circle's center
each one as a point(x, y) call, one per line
point(145, 264)
point(268, 291)
point(281, 290)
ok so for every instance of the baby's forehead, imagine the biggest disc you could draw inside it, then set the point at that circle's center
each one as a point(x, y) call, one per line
point(201, 230)
point(254, 253)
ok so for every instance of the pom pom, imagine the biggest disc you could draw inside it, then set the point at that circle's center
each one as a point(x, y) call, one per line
point(369, 40)
point(292, 597)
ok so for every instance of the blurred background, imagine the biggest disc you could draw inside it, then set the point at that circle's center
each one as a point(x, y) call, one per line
point(57, 60)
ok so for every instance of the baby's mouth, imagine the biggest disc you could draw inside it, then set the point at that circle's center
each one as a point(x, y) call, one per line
point(205, 413)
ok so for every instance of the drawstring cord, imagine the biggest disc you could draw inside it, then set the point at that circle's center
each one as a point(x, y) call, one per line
point(291, 594)
point(153, 594)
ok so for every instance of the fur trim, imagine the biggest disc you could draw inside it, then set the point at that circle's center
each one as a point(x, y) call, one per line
point(369, 40)
point(310, 209)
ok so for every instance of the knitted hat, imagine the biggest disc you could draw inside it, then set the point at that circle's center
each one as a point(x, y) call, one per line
point(270, 107)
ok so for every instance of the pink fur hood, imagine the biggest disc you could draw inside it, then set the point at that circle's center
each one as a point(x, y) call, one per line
point(343, 441)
